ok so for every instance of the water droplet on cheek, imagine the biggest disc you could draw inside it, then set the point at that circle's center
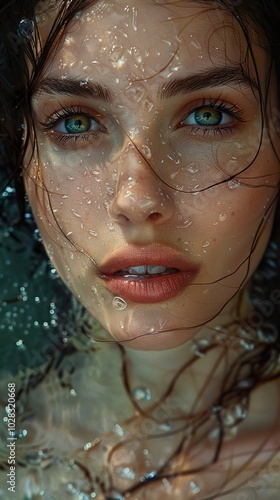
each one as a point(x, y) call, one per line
point(111, 226)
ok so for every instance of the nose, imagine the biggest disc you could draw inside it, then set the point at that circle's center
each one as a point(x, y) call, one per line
point(140, 194)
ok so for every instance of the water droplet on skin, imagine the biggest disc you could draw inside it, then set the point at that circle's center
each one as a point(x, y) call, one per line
point(116, 53)
point(111, 226)
point(206, 244)
point(185, 224)
point(94, 290)
point(119, 304)
point(194, 487)
point(75, 213)
point(118, 430)
point(134, 19)
point(141, 393)
point(233, 183)
point(165, 426)
point(135, 92)
point(147, 104)
point(126, 473)
point(146, 152)
point(222, 216)
point(92, 232)
point(192, 168)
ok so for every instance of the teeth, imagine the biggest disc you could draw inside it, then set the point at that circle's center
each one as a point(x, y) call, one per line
point(136, 270)
point(156, 269)
point(146, 270)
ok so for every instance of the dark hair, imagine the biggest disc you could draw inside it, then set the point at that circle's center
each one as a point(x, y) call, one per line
point(18, 29)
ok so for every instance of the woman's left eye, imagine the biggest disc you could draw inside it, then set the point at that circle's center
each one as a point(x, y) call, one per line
point(77, 124)
point(207, 117)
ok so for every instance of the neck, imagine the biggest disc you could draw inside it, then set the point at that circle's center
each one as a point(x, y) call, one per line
point(196, 369)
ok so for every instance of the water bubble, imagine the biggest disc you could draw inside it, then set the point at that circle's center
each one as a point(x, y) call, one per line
point(119, 304)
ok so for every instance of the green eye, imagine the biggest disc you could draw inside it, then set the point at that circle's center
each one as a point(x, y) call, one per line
point(77, 124)
point(210, 117)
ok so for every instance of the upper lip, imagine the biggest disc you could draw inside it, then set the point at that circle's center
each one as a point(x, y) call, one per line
point(153, 255)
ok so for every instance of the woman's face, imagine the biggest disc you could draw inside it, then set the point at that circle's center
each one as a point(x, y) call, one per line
point(152, 184)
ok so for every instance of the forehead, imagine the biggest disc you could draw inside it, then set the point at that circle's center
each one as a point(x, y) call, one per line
point(148, 37)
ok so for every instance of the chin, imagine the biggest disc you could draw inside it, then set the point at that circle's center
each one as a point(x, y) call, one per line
point(150, 336)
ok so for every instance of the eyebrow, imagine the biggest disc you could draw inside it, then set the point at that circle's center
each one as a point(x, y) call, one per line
point(82, 88)
point(207, 79)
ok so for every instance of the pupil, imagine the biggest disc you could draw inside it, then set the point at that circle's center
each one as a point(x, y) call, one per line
point(206, 117)
point(77, 125)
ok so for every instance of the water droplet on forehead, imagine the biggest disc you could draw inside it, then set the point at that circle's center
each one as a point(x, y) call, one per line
point(135, 92)
point(119, 304)
point(116, 53)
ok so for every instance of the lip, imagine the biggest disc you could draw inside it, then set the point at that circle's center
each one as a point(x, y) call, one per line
point(147, 290)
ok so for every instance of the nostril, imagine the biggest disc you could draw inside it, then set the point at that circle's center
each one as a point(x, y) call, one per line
point(155, 216)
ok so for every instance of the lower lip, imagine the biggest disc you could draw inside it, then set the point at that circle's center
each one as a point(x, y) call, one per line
point(149, 290)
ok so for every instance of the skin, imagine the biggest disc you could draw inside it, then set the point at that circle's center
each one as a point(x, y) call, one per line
point(102, 194)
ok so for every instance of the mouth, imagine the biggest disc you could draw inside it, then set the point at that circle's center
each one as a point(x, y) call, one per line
point(144, 272)
point(148, 274)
